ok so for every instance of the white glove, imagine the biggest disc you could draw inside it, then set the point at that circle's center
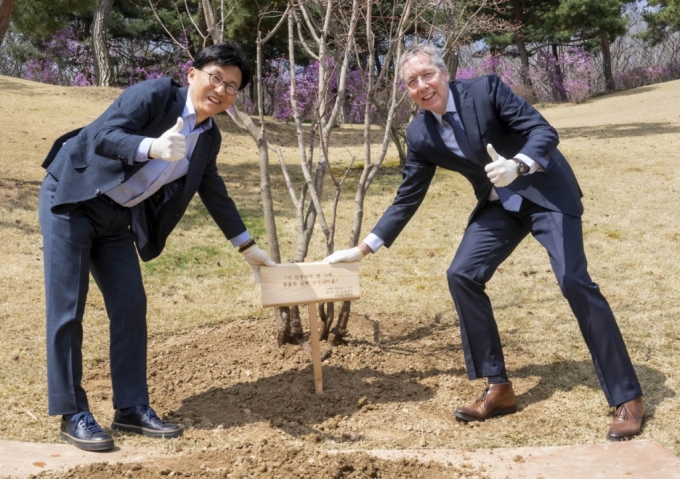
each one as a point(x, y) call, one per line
point(171, 146)
point(345, 256)
point(501, 171)
point(256, 258)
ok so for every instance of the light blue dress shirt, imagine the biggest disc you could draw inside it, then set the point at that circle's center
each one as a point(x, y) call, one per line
point(156, 173)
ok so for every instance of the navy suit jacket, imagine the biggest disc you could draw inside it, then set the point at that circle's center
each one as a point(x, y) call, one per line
point(490, 113)
point(90, 161)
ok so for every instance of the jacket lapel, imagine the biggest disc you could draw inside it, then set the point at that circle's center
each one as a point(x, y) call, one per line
point(433, 132)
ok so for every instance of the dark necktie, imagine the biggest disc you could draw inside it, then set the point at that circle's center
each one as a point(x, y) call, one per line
point(510, 200)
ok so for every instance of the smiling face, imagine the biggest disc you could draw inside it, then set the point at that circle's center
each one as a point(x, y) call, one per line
point(427, 84)
point(207, 99)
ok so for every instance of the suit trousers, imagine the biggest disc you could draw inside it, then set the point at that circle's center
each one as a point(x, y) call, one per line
point(490, 238)
point(93, 238)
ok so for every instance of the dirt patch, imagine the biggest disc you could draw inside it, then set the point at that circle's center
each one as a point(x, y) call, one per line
point(275, 459)
point(250, 407)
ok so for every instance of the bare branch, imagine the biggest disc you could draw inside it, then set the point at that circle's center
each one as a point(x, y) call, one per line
point(177, 42)
point(312, 28)
point(306, 47)
point(278, 25)
point(286, 175)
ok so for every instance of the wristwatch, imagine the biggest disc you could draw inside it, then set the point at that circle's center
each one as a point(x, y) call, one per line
point(522, 168)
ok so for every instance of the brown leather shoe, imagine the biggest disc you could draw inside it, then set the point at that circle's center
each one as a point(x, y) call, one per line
point(627, 420)
point(496, 400)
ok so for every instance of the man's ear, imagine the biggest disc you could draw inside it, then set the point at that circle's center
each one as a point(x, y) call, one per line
point(190, 75)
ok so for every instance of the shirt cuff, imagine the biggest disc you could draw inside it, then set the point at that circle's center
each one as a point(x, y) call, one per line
point(240, 239)
point(373, 242)
point(143, 150)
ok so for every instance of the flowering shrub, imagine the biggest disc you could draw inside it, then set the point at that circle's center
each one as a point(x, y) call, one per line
point(45, 71)
point(277, 82)
point(577, 67)
point(579, 74)
point(67, 60)
point(641, 76)
point(64, 60)
point(355, 107)
point(492, 65)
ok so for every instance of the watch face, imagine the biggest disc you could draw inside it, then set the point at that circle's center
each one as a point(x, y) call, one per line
point(522, 168)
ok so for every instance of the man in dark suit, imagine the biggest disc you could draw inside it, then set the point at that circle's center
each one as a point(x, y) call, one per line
point(124, 180)
point(523, 185)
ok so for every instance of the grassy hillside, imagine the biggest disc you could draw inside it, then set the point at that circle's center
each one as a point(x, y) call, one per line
point(623, 149)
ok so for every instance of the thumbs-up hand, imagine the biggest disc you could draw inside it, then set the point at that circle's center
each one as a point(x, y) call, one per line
point(500, 171)
point(171, 145)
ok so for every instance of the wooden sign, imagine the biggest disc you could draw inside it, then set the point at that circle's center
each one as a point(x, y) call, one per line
point(302, 283)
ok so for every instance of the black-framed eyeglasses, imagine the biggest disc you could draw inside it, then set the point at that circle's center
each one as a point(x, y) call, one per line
point(216, 81)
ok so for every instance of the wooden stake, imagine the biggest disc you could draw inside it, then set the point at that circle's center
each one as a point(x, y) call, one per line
point(316, 347)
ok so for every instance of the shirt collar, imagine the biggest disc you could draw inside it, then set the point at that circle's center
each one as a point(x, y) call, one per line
point(450, 106)
point(189, 116)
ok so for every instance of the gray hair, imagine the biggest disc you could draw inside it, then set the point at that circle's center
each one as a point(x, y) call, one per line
point(425, 49)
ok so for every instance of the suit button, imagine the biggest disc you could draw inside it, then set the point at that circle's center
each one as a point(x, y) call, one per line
point(122, 178)
point(97, 192)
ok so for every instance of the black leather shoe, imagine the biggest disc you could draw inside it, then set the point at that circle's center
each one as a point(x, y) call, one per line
point(82, 431)
point(143, 420)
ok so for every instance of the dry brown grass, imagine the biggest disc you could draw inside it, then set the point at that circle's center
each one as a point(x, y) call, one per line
point(622, 147)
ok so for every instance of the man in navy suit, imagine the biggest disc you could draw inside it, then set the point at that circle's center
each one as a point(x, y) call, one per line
point(115, 188)
point(523, 185)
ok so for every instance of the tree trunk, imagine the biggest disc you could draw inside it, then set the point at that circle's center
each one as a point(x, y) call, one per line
point(400, 143)
point(102, 64)
point(202, 28)
point(524, 58)
point(378, 65)
point(560, 95)
point(6, 7)
point(451, 60)
point(209, 15)
point(327, 315)
point(282, 315)
point(340, 331)
point(607, 62)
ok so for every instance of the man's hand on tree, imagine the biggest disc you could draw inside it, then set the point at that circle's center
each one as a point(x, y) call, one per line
point(501, 171)
point(171, 145)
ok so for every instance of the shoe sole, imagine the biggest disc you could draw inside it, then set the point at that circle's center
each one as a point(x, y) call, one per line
point(497, 412)
point(622, 438)
point(146, 431)
point(93, 446)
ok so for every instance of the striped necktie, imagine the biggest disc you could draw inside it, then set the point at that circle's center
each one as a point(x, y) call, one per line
point(510, 200)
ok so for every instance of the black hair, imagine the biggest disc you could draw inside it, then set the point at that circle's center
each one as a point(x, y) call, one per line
point(225, 54)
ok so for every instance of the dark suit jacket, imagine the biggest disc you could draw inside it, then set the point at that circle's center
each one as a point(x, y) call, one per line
point(490, 113)
point(90, 161)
